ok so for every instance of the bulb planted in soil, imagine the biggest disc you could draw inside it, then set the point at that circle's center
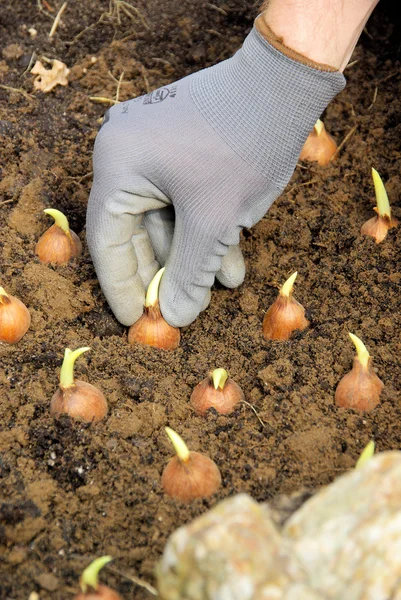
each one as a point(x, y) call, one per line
point(361, 387)
point(285, 314)
point(377, 227)
point(76, 398)
point(217, 391)
point(15, 318)
point(189, 475)
point(320, 146)
point(91, 589)
point(151, 329)
point(59, 243)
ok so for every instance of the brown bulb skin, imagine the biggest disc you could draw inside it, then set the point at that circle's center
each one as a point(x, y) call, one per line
point(152, 330)
point(82, 401)
point(360, 388)
point(15, 319)
point(377, 227)
point(102, 592)
point(198, 477)
point(283, 317)
point(224, 401)
point(319, 147)
point(56, 246)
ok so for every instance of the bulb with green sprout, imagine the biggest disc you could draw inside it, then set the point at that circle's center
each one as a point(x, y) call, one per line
point(189, 475)
point(151, 329)
point(59, 243)
point(91, 589)
point(361, 387)
point(377, 227)
point(76, 398)
point(217, 391)
point(285, 315)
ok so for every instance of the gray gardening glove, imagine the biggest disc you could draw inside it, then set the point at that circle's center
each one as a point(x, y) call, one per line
point(179, 172)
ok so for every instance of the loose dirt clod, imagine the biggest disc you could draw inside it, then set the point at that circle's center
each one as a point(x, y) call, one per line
point(47, 79)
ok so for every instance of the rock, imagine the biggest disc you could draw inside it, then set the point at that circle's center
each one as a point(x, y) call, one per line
point(233, 552)
point(348, 536)
point(344, 542)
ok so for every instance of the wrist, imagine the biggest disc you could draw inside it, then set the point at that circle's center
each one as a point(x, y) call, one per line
point(323, 31)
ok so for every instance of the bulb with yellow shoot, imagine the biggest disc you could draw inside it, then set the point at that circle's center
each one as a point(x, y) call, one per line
point(217, 391)
point(189, 475)
point(320, 146)
point(151, 329)
point(59, 243)
point(361, 387)
point(76, 398)
point(377, 227)
point(91, 589)
point(285, 314)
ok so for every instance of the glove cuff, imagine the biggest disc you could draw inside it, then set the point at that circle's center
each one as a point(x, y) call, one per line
point(264, 103)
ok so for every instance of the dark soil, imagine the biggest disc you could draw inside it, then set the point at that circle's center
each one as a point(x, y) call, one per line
point(71, 492)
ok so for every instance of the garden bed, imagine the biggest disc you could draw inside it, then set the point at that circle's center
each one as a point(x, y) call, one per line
point(71, 492)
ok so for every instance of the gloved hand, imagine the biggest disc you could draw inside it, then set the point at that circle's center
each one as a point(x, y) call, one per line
point(179, 172)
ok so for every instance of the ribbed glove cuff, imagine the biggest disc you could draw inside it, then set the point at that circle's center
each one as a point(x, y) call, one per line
point(264, 103)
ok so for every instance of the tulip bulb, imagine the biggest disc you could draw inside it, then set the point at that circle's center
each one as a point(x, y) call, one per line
point(361, 387)
point(285, 314)
point(78, 399)
point(377, 227)
point(14, 318)
point(319, 146)
point(59, 243)
point(151, 329)
point(91, 589)
point(217, 391)
point(189, 475)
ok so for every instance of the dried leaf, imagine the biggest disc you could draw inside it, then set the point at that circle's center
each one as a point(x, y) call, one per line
point(47, 79)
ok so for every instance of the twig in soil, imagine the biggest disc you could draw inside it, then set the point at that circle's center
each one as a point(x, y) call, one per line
point(126, 8)
point(18, 91)
point(42, 10)
point(214, 7)
point(387, 78)
point(57, 19)
point(294, 187)
point(162, 61)
point(30, 64)
point(120, 80)
point(345, 140)
point(374, 98)
point(256, 414)
point(303, 167)
point(80, 178)
point(7, 201)
point(368, 34)
point(144, 584)
point(103, 100)
point(352, 64)
point(113, 14)
point(214, 32)
point(377, 87)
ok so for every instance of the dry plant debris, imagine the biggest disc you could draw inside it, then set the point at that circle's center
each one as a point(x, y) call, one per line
point(47, 79)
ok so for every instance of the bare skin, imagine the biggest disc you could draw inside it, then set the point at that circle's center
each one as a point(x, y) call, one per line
point(325, 31)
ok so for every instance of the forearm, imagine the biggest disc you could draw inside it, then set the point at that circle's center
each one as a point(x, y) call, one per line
point(325, 31)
